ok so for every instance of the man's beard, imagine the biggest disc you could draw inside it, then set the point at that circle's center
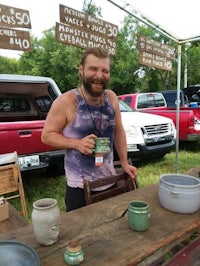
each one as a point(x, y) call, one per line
point(87, 83)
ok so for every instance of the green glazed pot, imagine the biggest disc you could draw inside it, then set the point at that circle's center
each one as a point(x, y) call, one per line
point(73, 255)
point(138, 215)
point(102, 145)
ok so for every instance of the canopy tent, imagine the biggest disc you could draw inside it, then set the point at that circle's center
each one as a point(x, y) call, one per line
point(178, 20)
point(171, 22)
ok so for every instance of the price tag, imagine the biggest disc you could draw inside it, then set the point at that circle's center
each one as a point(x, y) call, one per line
point(98, 159)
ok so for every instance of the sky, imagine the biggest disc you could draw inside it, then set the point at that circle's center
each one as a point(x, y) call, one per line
point(175, 16)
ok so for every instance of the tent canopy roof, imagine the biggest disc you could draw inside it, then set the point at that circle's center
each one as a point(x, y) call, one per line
point(180, 19)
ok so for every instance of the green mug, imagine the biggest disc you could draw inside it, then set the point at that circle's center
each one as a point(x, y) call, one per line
point(138, 215)
point(102, 145)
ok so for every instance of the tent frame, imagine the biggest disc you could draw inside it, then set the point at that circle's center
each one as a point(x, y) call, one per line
point(136, 14)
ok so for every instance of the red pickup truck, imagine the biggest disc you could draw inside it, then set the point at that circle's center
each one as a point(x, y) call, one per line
point(155, 103)
point(24, 104)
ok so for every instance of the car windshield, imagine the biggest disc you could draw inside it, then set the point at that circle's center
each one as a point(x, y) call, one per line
point(124, 107)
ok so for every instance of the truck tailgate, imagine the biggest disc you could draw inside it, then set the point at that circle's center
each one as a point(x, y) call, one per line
point(26, 136)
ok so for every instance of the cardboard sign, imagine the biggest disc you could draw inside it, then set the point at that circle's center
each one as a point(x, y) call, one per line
point(14, 17)
point(155, 54)
point(14, 39)
point(153, 60)
point(154, 47)
point(85, 31)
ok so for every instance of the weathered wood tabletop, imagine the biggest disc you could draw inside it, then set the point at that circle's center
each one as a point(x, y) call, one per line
point(105, 236)
point(15, 221)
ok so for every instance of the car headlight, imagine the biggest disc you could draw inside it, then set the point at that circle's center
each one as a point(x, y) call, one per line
point(196, 124)
point(131, 131)
point(172, 128)
point(196, 121)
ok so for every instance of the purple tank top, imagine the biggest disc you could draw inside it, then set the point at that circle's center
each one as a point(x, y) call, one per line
point(90, 119)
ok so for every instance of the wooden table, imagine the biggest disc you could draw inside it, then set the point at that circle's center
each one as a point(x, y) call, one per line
point(105, 236)
point(14, 221)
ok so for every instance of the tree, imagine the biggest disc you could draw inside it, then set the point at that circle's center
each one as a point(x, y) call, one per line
point(91, 9)
point(193, 63)
point(8, 65)
point(125, 62)
point(52, 59)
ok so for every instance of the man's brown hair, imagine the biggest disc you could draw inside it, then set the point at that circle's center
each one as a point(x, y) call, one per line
point(97, 52)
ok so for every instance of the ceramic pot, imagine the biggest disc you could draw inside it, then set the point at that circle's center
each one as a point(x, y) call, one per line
point(45, 221)
point(179, 193)
point(138, 215)
point(73, 254)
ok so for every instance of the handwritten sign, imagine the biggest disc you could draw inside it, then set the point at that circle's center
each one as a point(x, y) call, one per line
point(85, 31)
point(151, 46)
point(14, 17)
point(153, 60)
point(15, 39)
point(155, 54)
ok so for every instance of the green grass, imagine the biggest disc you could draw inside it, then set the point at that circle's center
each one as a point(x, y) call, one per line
point(188, 157)
point(38, 185)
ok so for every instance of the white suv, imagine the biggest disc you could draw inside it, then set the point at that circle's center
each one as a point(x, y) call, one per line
point(147, 135)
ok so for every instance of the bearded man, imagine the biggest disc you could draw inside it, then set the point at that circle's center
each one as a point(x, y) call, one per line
point(77, 118)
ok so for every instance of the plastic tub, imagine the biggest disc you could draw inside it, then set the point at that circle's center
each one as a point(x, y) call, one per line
point(179, 193)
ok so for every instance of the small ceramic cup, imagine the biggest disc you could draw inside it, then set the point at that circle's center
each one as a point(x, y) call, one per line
point(138, 215)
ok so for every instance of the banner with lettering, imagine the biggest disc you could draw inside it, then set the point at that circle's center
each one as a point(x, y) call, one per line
point(155, 54)
point(84, 31)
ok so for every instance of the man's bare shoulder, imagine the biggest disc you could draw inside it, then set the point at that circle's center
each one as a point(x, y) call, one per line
point(113, 97)
point(68, 98)
point(111, 93)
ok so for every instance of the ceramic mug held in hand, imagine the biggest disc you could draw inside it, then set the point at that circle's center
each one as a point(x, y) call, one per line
point(102, 146)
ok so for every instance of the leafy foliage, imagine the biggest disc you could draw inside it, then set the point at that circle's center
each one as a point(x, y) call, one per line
point(90, 8)
point(193, 63)
point(125, 63)
point(52, 59)
point(8, 65)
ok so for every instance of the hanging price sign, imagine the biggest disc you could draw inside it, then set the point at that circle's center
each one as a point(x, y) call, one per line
point(15, 39)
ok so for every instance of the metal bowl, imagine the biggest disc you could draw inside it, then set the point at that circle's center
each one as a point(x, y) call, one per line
point(179, 193)
point(18, 254)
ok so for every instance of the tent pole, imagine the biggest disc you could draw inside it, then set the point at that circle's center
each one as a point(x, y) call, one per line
point(178, 104)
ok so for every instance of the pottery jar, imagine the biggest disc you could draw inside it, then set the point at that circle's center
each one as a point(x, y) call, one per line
point(179, 193)
point(138, 215)
point(45, 221)
point(73, 255)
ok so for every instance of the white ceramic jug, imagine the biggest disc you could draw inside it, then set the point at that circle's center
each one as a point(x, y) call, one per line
point(46, 221)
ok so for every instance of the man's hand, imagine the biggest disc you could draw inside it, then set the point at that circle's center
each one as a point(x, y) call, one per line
point(130, 170)
point(86, 144)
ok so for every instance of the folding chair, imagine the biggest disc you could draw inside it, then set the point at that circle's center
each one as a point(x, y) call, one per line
point(11, 180)
point(121, 183)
